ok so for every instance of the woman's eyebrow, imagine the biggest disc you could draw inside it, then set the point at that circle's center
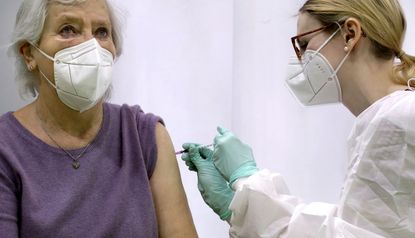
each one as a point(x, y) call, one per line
point(301, 41)
point(67, 17)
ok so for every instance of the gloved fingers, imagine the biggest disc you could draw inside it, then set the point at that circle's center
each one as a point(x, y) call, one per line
point(191, 166)
point(186, 158)
point(223, 137)
point(190, 151)
point(222, 130)
point(192, 155)
point(206, 153)
point(201, 188)
point(189, 145)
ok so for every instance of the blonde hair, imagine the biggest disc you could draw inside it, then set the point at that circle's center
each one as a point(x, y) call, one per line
point(383, 22)
point(30, 20)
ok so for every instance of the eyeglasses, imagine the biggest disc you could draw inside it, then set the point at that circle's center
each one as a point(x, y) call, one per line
point(296, 44)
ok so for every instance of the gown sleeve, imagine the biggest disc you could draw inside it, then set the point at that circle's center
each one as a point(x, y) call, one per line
point(378, 196)
point(263, 208)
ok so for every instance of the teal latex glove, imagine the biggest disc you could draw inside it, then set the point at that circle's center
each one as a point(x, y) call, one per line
point(212, 186)
point(231, 157)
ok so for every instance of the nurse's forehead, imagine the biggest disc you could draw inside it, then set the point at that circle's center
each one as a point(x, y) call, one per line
point(307, 22)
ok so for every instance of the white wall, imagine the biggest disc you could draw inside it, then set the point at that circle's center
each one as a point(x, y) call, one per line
point(204, 63)
point(9, 98)
point(178, 64)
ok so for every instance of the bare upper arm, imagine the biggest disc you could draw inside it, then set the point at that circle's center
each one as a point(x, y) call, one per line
point(173, 213)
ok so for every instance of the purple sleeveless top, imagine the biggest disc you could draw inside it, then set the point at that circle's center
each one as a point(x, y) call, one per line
point(42, 195)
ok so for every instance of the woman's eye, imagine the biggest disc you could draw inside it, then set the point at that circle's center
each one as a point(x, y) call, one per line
point(102, 33)
point(67, 31)
point(303, 46)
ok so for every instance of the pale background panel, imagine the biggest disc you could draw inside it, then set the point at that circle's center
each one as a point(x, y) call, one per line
point(177, 64)
point(199, 64)
point(9, 97)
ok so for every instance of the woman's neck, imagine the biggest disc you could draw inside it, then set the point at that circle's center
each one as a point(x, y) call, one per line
point(364, 85)
point(55, 116)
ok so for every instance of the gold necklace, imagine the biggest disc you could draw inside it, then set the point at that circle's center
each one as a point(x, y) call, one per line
point(75, 159)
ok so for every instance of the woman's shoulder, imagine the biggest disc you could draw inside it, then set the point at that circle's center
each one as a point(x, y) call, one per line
point(131, 117)
point(8, 125)
point(5, 118)
point(117, 109)
point(10, 139)
point(134, 114)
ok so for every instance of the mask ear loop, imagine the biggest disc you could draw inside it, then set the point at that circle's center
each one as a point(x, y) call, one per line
point(409, 84)
point(328, 39)
point(323, 45)
point(341, 64)
point(48, 80)
point(43, 53)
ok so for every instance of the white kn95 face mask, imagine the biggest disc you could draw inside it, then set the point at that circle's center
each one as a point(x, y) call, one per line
point(82, 74)
point(313, 80)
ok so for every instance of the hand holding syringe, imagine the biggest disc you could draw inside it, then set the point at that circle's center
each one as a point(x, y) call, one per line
point(185, 151)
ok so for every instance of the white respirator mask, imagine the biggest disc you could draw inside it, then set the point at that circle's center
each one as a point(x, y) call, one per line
point(82, 74)
point(313, 80)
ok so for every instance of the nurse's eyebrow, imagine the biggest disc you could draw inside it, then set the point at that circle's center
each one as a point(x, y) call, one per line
point(302, 41)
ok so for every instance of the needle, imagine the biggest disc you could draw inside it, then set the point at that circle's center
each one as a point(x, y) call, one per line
point(184, 151)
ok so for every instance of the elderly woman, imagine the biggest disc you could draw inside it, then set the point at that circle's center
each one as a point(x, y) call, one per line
point(72, 165)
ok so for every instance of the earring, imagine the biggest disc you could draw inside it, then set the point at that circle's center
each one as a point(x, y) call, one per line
point(346, 48)
point(31, 67)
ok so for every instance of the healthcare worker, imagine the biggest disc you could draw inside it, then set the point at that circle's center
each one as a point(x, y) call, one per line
point(348, 51)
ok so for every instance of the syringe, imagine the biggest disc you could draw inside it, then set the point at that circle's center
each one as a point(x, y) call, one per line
point(184, 151)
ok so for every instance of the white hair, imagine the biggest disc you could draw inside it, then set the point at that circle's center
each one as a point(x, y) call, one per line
point(30, 20)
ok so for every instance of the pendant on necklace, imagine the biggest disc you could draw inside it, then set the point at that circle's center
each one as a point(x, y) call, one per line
point(76, 164)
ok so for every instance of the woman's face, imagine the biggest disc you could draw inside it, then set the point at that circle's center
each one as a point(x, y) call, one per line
point(333, 50)
point(70, 25)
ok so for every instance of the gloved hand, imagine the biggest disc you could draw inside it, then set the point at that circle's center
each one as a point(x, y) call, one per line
point(231, 157)
point(212, 186)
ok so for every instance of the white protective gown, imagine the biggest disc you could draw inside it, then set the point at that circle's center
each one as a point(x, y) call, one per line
point(378, 198)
